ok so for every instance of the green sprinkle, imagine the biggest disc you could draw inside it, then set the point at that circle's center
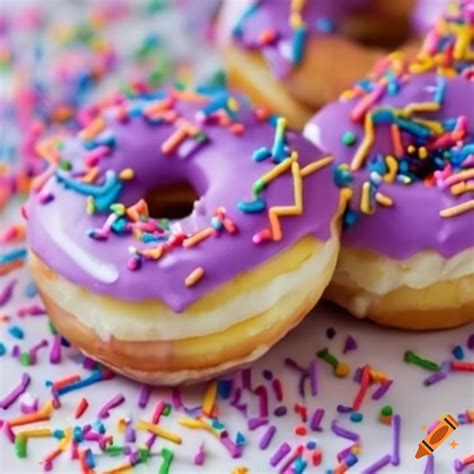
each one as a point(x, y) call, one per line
point(258, 186)
point(118, 209)
point(65, 165)
point(349, 138)
point(20, 446)
point(114, 450)
point(387, 410)
point(167, 410)
point(25, 359)
point(411, 358)
point(167, 458)
point(144, 454)
point(325, 355)
point(52, 329)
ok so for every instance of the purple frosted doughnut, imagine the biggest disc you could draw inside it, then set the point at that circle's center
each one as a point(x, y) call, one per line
point(265, 26)
point(98, 235)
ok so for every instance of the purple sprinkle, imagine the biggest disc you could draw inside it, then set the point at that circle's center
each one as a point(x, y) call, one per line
point(176, 399)
point(316, 419)
point(382, 390)
point(150, 441)
point(7, 293)
point(115, 402)
point(254, 423)
point(343, 409)
point(267, 437)
point(200, 456)
point(293, 365)
point(34, 350)
point(134, 457)
point(330, 333)
point(9, 433)
point(343, 433)
point(349, 345)
point(429, 466)
point(16, 351)
point(55, 353)
point(262, 393)
point(236, 399)
point(435, 378)
point(301, 383)
point(280, 411)
point(247, 379)
point(267, 374)
point(89, 364)
point(144, 396)
point(396, 423)
point(470, 342)
point(313, 377)
point(358, 375)
point(234, 450)
point(377, 465)
point(16, 392)
point(345, 452)
point(280, 453)
point(130, 435)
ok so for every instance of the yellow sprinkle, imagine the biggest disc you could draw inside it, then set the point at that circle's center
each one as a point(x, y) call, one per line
point(192, 423)
point(209, 398)
point(127, 174)
point(194, 277)
point(459, 209)
point(365, 205)
point(159, 431)
point(278, 170)
point(422, 153)
point(461, 188)
point(367, 142)
point(392, 165)
point(90, 205)
point(240, 470)
point(435, 127)
point(64, 443)
point(341, 370)
point(378, 376)
point(383, 200)
point(410, 109)
point(411, 149)
point(315, 166)
point(233, 104)
point(38, 433)
point(295, 20)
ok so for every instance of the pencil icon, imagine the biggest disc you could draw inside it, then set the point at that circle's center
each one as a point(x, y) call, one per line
point(439, 434)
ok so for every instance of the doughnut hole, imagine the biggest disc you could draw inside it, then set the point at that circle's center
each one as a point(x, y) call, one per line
point(171, 201)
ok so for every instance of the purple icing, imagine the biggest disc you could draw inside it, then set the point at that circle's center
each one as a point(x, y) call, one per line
point(427, 12)
point(222, 171)
point(246, 21)
point(413, 223)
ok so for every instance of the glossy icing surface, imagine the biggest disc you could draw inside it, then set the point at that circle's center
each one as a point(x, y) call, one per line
point(279, 29)
point(422, 188)
point(118, 250)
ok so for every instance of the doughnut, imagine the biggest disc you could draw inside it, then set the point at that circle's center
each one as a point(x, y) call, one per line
point(182, 233)
point(294, 56)
point(404, 145)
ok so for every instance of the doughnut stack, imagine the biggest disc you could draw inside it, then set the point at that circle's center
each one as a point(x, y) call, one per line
point(183, 232)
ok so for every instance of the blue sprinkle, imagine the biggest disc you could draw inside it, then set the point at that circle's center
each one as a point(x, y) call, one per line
point(342, 177)
point(30, 290)
point(48, 383)
point(458, 353)
point(356, 417)
point(300, 465)
point(261, 154)
point(12, 256)
point(240, 439)
point(251, 207)
point(350, 218)
point(16, 332)
point(216, 223)
point(99, 426)
point(299, 37)
point(3, 349)
point(325, 25)
point(77, 434)
point(224, 388)
point(58, 434)
point(311, 444)
point(350, 460)
point(217, 424)
point(267, 374)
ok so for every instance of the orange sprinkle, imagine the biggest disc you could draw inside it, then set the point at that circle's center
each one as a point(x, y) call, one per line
point(194, 277)
point(65, 381)
point(396, 140)
point(198, 237)
point(93, 129)
point(91, 175)
point(170, 145)
point(159, 106)
point(268, 36)
point(237, 128)
point(9, 267)
point(189, 95)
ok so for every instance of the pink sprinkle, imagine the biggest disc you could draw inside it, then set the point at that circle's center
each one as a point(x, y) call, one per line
point(261, 392)
point(55, 353)
point(7, 293)
point(176, 399)
point(200, 456)
point(115, 402)
point(9, 432)
point(247, 379)
point(160, 407)
point(277, 388)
